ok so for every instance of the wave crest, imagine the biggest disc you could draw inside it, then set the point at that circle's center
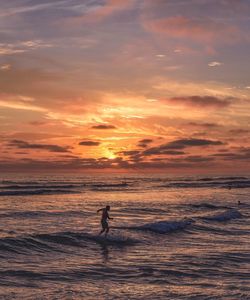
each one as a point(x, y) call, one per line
point(224, 216)
point(164, 226)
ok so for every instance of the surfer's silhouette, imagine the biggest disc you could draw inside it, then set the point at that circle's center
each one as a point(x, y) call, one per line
point(104, 220)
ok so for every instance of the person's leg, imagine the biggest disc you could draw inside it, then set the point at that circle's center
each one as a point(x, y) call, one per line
point(103, 228)
point(107, 231)
point(101, 231)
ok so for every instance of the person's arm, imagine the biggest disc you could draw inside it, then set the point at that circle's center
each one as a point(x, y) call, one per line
point(99, 210)
point(110, 218)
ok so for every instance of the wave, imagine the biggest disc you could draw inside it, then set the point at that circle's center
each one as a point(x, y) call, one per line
point(104, 185)
point(51, 241)
point(37, 192)
point(162, 226)
point(39, 186)
point(209, 206)
point(108, 187)
point(224, 216)
point(34, 214)
point(206, 184)
point(222, 178)
point(50, 187)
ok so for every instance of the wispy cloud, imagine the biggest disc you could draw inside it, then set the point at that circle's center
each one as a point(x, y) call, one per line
point(15, 10)
point(96, 11)
point(21, 47)
point(19, 103)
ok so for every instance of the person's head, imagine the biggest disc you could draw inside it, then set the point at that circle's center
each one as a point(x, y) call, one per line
point(107, 207)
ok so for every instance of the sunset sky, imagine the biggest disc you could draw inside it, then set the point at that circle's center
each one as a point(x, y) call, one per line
point(125, 85)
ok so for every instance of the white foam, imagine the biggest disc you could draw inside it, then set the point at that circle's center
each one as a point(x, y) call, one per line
point(166, 226)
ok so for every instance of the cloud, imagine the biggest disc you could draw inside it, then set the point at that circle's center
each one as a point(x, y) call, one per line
point(19, 102)
point(89, 143)
point(8, 51)
point(179, 145)
point(21, 47)
point(99, 10)
point(37, 123)
point(5, 67)
point(144, 143)
point(103, 126)
point(129, 152)
point(201, 30)
point(214, 64)
point(183, 143)
point(239, 131)
point(200, 101)
point(172, 152)
point(25, 145)
point(15, 10)
point(205, 125)
point(198, 158)
point(243, 154)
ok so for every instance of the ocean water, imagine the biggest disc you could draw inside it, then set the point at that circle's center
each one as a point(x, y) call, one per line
point(171, 238)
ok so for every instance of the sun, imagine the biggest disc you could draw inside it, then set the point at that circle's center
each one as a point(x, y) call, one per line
point(109, 154)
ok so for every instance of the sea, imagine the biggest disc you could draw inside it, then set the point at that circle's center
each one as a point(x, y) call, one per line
point(171, 237)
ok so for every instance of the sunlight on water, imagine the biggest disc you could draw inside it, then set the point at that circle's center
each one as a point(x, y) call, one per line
point(184, 238)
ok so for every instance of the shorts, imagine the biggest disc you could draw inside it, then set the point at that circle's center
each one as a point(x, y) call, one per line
point(105, 224)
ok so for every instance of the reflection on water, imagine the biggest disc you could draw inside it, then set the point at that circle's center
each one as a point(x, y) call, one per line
point(165, 243)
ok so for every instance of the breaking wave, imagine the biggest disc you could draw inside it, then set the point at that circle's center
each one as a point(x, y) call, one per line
point(162, 226)
point(224, 216)
point(51, 241)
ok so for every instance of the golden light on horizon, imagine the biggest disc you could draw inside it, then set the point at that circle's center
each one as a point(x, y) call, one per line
point(176, 104)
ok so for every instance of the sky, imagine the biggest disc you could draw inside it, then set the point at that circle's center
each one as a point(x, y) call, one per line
point(125, 86)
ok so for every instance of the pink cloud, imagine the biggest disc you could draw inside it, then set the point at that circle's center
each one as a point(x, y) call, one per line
point(199, 30)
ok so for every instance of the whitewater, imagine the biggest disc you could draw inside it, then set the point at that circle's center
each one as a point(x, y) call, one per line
point(171, 237)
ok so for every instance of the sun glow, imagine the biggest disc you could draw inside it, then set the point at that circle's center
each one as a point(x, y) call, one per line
point(109, 154)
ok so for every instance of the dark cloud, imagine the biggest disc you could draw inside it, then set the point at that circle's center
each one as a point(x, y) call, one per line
point(205, 125)
point(103, 126)
point(239, 131)
point(144, 143)
point(179, 145)
point(183, 143)
point(37, 123)
point(25, 145)
point(201, 101)
point(129, 152)
point(173, 152)
point(241, 154)
point(198, 158)
point(89, 143)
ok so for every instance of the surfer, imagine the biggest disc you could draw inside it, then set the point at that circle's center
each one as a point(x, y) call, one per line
point(104, 219)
